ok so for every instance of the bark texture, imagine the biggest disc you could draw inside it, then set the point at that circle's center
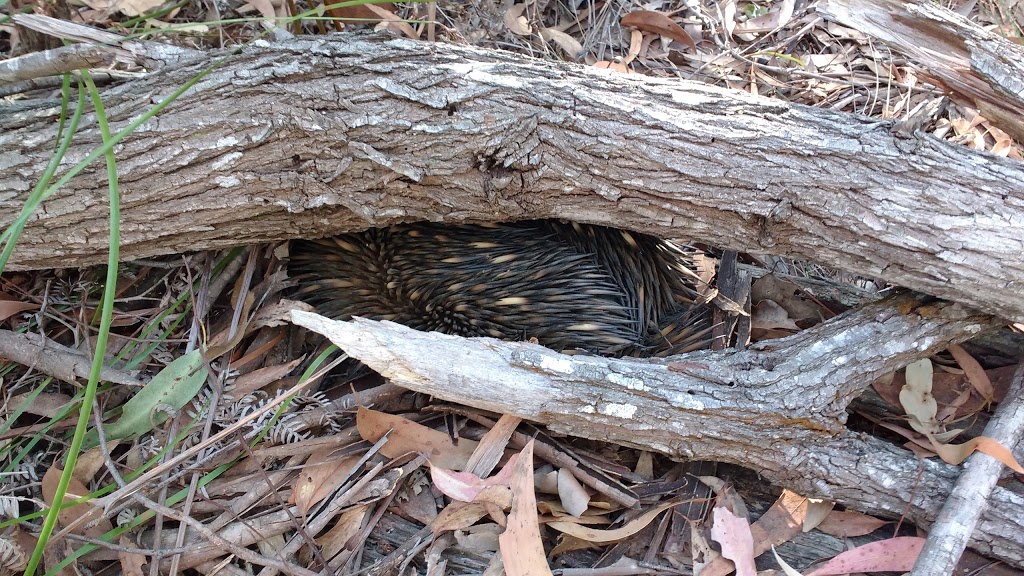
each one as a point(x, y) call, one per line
point(317, 136)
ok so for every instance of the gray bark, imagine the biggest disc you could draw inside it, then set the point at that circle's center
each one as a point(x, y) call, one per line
point(318, 136)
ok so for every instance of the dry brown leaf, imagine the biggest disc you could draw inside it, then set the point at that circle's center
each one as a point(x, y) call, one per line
point(407, 436)
point(726, 495)
point(47, 404)
point(733, 534)
point(247, 383)
point(492, 446)
point(975, 373)
point(605, 536)
point(265, 8)
point(458, 516)
point(320, 477)
point(767, 315)
point(636, 41)
point(515, 21)
point(84, 518)
point(848, 524)
point(361, 13)
point(131, 564)
point(9, 308)
point(278, 314)
point(566, 42)
point(658, 23)
point(348, 525)
point(482, 538)
point(817, 511)
point(392, 22)
point(90, 462)
point(522, 550)
point(786, 294)
point(569, 543)
point(135, 7)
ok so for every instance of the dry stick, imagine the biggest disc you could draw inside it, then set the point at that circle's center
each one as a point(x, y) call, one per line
point(53, 359)
point(969, 498)
point(54, 62)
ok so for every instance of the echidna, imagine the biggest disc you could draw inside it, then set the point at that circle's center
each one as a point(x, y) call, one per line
point(570, 286)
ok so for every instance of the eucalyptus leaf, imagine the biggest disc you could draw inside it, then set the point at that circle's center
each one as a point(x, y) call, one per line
point(169, 391)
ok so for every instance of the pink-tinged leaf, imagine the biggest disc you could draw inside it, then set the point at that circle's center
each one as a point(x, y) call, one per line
point(893, 555)
point(466, 486)
point(733, 534)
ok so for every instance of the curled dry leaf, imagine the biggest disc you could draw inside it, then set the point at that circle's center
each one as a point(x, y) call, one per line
point(391, 21)
point(817, 511)
point(458, 516)
point(320, 477)
point(248, 383)
point(572, 47)
point(574, 497)
point(47, 404)
point(131, 564)
point(957, 453)
point(658, 23)
point(515, 21)
point(636, 42)
point(465, 486)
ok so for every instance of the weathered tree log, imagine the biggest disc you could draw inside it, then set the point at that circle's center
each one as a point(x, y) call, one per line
point(318, 136)
point(977, 65)
point(778, 407)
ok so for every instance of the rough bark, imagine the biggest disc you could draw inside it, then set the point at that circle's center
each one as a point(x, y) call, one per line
point(318, 136)
point(778, 407)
